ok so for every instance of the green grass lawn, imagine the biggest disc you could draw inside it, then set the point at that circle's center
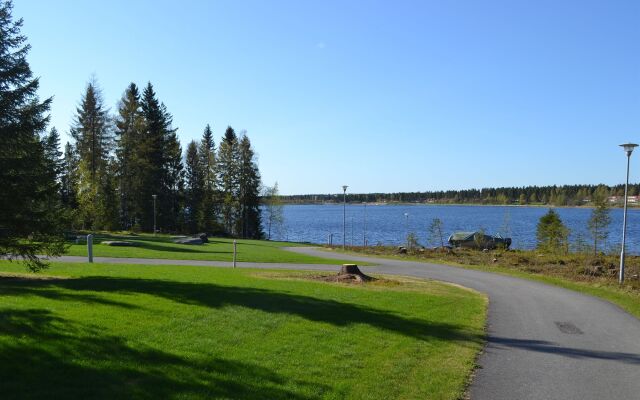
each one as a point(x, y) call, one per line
point(129, 331)
point(218, 249)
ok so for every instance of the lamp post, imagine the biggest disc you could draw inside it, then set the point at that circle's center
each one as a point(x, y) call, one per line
point(406, 226)
point(344, 215)
point(628, 148)
point(154, 213)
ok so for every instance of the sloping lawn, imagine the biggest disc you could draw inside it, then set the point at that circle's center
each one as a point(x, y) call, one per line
point(112, 331)
point(218, 249)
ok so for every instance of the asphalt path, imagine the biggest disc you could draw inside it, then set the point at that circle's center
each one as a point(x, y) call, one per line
point(543, 342)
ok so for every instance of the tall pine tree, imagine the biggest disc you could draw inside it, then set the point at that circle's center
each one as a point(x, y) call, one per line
point(249, 223)
point(194, 189)
point(94, 141)
point(173, 174)
point(209, 207)
point(30, 210)
point(228, 177)
point(69, 182)
point(164, 175)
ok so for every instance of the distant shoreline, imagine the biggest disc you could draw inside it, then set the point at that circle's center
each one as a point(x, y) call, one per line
point(311, 203)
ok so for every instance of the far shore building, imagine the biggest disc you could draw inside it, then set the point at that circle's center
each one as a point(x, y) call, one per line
point(619, 199)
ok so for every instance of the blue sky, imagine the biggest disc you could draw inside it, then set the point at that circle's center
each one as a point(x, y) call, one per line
point(383, 96)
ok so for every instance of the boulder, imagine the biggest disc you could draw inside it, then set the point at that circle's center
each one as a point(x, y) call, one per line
point(117, 243)
point(204, 237)
point(188, 240)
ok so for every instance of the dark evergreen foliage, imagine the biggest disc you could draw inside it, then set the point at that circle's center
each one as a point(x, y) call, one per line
point(130, 130)
point(249, 221)
point(228, 176)
point(194, 188)
point(30, 210)
point(107, 177)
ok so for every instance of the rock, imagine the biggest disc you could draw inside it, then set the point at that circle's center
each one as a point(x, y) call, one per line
point(188, 240)
point(204, 237)
point(117, 243)
point(402, 250)
point(495, 260)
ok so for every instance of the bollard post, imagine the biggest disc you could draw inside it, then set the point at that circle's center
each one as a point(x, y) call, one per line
point(90, 247)
point(235, 249)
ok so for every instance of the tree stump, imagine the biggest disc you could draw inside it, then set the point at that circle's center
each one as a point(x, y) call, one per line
point(351, 272)
point(350, 269)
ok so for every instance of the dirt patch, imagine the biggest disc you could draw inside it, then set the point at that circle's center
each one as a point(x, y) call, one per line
point(347, 278)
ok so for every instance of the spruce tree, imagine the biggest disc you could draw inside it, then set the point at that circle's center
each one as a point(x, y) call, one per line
point(228, 177)
point(164, 176)
point(53, 154)
point(30, 211)
point(173, 174)
point(209, 206)
point(69, 182)
point(151, 151)
point(194, 188)
point(249, 223)
point(130, 167)
point(94, 141)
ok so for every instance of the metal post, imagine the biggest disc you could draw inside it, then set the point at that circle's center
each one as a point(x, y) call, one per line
point(344, 216)
point(624, 221)
point(90, 247)
point(364, 234)
point(235, 250)
point(407, 228)
point(154, 213)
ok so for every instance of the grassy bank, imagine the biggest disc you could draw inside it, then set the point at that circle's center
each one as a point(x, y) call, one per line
point(594, 275)
point(130, 331)
point(218, 249)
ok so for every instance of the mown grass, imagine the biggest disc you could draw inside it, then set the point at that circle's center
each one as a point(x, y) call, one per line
point(112, 331)
point(594, 275)
point(218, 249)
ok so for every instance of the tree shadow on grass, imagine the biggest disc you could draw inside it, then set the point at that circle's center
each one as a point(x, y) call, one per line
point(45, 356)
point(167, 247)
point(271, 301)
point(20, 287)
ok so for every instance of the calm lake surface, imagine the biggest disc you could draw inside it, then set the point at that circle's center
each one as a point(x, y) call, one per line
point(388, 225)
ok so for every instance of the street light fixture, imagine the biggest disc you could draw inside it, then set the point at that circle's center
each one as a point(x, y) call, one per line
point(154, 213)
point(344, 215)
point(628, 148)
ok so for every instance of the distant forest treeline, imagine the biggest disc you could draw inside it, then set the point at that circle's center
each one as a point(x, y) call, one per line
point(568, 195)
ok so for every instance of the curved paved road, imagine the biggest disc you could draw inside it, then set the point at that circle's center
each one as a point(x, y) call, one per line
point(544, 342)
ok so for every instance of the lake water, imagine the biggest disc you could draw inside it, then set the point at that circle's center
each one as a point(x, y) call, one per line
point(388, 225)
